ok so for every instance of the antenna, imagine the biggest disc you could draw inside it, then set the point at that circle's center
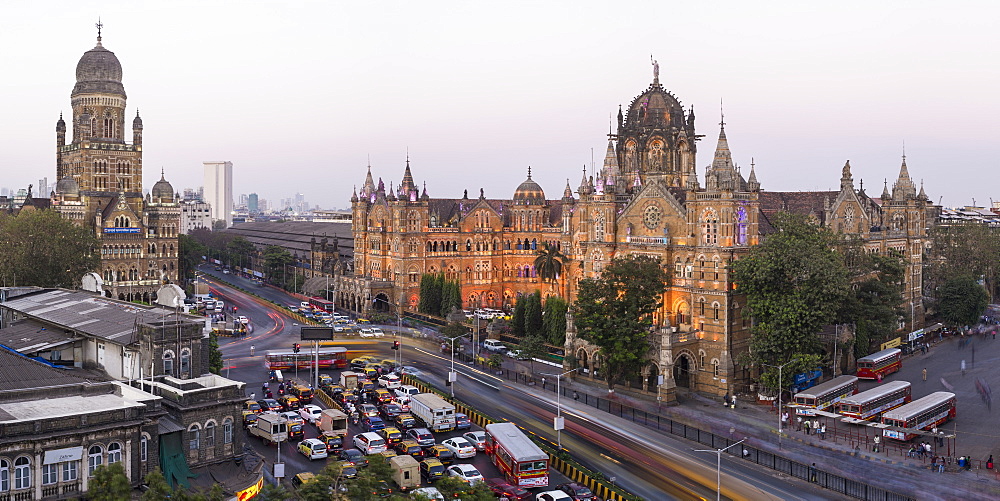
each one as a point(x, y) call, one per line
point(592, 167)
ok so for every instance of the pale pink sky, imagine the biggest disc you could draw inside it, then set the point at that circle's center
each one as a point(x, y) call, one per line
point(298, 95)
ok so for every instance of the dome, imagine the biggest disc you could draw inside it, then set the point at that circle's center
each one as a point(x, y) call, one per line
point(67, 186)
point(99, 72)
point(162, 189)
point(137, 122)
point(655, 107)
point(529, 192)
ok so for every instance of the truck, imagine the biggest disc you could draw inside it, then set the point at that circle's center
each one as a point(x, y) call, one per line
point(405, 471)
point(271, 428)
point(333, 421)
point(435, 412)
point(349, 380)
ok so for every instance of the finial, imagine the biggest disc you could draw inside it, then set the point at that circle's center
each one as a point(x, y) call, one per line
point(904, 150)
point(751, 163)
point(162, 173)
point(656, 70)
point(99, 25)
point(407, 156)
point(722, 114)
point(529, 172)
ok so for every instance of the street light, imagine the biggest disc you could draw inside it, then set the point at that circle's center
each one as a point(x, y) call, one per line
point(718, 467)
point(557, 423)
point(451, 375)
point(399, 326)
point(780, 389)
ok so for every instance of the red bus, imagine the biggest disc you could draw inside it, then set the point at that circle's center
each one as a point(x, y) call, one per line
point(880, 364)
point(872, 403)
point(519, 460)
point(321, 304)
point(330, 357)
point(923, 414)
point(825, 395)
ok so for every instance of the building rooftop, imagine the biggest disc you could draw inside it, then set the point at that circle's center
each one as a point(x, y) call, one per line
point(18, 372)
point(31, 336)
point(49, 408)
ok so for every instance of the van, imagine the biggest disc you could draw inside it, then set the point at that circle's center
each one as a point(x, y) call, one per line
point(304, 305)
point(277, 377)
point(494, 345)
point(369, 443)
point(405, 472)
point(405, 392)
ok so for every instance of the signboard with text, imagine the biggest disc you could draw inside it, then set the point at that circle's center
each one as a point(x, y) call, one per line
point(121, 230)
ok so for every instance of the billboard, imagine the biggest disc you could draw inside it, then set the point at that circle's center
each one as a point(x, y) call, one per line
point(316, 333)
point(121, 230)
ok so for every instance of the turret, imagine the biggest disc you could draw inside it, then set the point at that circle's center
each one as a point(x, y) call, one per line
point(61, 131)
point(137, 130)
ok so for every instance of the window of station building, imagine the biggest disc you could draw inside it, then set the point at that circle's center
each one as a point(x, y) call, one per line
point(114, 453)
point(210, 434)
point(50, 473)
point(185, 361)
point(143, 448)
point(95, 457)
point(227, 431)
point(168, 363)
point(22, 473)
point(70, 471)
point(194, 437)
point(4, 475)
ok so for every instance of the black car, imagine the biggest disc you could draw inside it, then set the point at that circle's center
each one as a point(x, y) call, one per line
point(391, 410)
point(347, 470)
point(382, 489)
point(577, 491)
point(421, 436)
point(354, 456)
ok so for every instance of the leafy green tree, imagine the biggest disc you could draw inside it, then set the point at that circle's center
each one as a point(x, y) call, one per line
point(962, 301)
point(215, 361)
point(454, 329)
point(963, 249)
point(109, 483)
point(367, 482)
point(43, 249)
point(157, 487)
point(452, 487)
point(532, 347)
point(271, 492)
point(189, 256)
point(319, 488)
point(426, 284)
point(795, 282)
point(239, 251)
point(614, 312)
point(533, 315)
point(517, 319)
point(873, 303)
point(798, 365)
point(549, 263)
point(451, 296)
point(495, 361)
point(276, 259)
point(554, 320)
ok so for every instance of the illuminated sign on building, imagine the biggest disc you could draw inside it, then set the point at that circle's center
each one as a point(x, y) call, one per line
point(121, 230)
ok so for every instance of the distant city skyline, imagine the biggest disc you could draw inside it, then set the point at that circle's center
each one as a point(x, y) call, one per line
point(302, 97)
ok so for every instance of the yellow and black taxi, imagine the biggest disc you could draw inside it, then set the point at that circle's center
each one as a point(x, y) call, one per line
point(289, 402)
point(431, 470)
point(370, 371)
point(334, 389)
point(405, 421)
point(388, 454)
point(383, 395)
point(391, 435)
point(253, 406)
point(249, 419)
point(303, 478)
point(334, 442)
point(365, 384)
point(441, 453)
point(296, 431)
point(409, 447)
point(304, 393)
point(325, 379)
point(346, 397)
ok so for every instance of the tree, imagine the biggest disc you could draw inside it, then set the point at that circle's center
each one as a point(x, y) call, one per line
point(109, 483)
point(275, 260)
point(451, 296)
point(963, 249)
point(452, 487)
point(554, 320)
point(157, 487)
point(532, 347)
point(189, 256)
point(962, 300)
point(614, 312)
point(239, 250)
point(794, 282)
point(271, 492)
point(533, 315)
point(215, 361)
point(549, 262)
point(43, 249)
point(517, 320)
point(873, 303)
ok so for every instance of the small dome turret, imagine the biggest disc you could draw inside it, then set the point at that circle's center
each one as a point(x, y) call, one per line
point(68, 187)
point(162, 191)
point(99, 72)
point(529, 192)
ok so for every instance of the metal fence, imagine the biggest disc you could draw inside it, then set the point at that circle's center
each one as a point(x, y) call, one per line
point(849, 487)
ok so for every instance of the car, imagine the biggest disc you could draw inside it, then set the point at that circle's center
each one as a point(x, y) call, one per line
point(467, 473)
point(391, 435)
point(390, 381)
point(405, 421)
point(252, 406)
point(518, 355)
point(313, 449)
point(552, 496)
point(292, 417)
point(359, 363)
point(382, 396)
point(388, 454)
point(271, 405)
point(334, 389)
point(422, 436)
point(311, 413)
point(369, 443)
point(348, 470)
point(372, 423)
point(333, 441)
point(371, 371)
point(390, 410)
point(461, 447)
point(431, 470)
point(462, 421)
point(302, 392)
point(243, 320)
point(366, 332)
point(296, 431)
point(289, 403)
point(340, 328)
point(476, 438)
point(378, 332)
point(502, 488)
point(468, 314)
point(494, 345)
point(225, 271)
point(442, 453)
point(303, 478)
point(407, 369)
point(428, 493)
point(249, 419)
point(304, 305)
point(347, 396)
point(404, 392)
point(410, 447)
point(325, 379)
point(365, 384)
point(368, 410)
point(577, 492)
point(382, 489)
point(353, 456)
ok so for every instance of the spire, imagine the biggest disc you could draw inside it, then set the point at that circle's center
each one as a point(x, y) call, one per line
point(903, 188)
point(407, 186)
point(885, 191)
point(354, 194)
point(610, 169)
point(846, 180)
point(424, 196)
point(922, 195)
point(99, 25)
point(752, 183)
point(529, 172)
point(584, 188)
point(162, 178)
point(369, 187)
point(568, 192)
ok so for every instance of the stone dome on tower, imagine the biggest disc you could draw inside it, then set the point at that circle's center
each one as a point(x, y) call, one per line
point(162, 191)
point(529, 192)
point(68, 187)
point(99, 71)
point(655, 107)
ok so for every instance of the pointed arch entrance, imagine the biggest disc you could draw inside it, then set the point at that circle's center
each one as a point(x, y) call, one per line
point(683, 368)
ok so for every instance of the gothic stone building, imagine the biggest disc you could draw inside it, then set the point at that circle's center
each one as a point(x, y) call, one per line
point(646, 199)
point(100, 184)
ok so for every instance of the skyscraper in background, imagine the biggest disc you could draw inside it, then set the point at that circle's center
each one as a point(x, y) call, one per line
point(252, 206)
point(219, 190)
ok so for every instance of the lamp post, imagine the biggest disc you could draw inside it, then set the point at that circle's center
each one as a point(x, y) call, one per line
point(718, 467)
point(780, 389)
point(399, 327)
point(557, 423)
point(451, 375)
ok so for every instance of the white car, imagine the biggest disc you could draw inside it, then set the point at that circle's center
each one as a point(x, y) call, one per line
point(404, 392)
point(429, 493)
point(243, 320)
point(313, 448)
point(366, 332)
point(377, 332)
point(553, 496)
point(462, 448)
point(310, 413)
point(292, 417)
point(390, 381)
point(476, 438)
point(517, 355)
point(466, 472)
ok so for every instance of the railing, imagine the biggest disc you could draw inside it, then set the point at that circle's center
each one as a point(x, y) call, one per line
point(648, 240)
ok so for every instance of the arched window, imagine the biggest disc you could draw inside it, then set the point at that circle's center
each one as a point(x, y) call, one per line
point(4, 475)
point(741, 226)
point(598, 227)
point(168, 363)
point(194, 437)
point(143, 448)
point(210, 434)
point(227, 431)
point(468, 245)
point(114, 453)
point(22, 473)
point(710, 228)
point(95, 456)
point(185, 361)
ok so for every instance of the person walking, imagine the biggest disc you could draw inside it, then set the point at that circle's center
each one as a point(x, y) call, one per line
point(963, 367)
point(877, 440)
point(924, 373)
point(734, 400)
point(798, 423)
point(812, 473)
point(822, 431)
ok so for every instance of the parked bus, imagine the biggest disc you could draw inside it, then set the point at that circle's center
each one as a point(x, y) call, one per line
point(872, 403)
point(825, 395)
point(923, 414)
point(321, 304)
point(880, 364)
point(332, 357)
point(519, 460)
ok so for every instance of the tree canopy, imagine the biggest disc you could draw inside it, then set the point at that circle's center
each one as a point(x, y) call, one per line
point(615, 311)
point(41, 248)
point(969, 249)
point(962, 300)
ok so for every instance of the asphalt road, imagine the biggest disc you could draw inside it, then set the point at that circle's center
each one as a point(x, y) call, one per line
point(648, 463)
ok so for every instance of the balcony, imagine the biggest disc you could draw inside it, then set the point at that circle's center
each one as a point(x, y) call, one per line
point(647, 240)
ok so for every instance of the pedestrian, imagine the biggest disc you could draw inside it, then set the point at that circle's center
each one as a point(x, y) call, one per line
point(734, 400)
point(263, 388)
point(725, 400)
point(963, 367)
point(806, 426)
point(941, 466)
point(927, 448)
point(815, 426)
point(576, 396)
point(876, 441)
point(798, 423)
point(784, 419)
point(253, 396)
point(924, 373)
point(911, 451)
point(989, 463)
point(812, 473)
point(822, 432)
point(879, 377)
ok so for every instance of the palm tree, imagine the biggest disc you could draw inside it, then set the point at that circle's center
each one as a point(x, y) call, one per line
point(549, 263)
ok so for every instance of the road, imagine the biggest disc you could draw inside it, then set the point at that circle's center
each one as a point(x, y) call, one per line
point(648, 463)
